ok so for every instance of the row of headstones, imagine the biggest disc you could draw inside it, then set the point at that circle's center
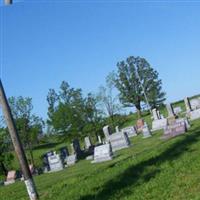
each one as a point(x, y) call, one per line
point(118, 140)
point(13, 175)
point(173, 125)
point(55, 162)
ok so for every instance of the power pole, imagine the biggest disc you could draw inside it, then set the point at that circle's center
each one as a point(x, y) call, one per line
point(28, 179)
point(8, 2)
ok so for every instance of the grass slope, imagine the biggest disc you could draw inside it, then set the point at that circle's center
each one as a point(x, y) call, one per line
point(150, 169)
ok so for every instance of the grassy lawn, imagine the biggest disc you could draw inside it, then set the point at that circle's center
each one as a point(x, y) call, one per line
point(150, 169)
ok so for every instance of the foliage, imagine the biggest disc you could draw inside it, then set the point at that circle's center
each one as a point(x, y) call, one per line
point(109, 101)
point(134, 75)
point(5, 156)
point(70, 114)
point(29, 126)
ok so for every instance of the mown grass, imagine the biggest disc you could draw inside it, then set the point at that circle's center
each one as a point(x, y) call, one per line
point(150, 169)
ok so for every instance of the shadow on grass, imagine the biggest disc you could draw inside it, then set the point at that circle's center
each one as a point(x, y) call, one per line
point(47, 146)
point(139, 173)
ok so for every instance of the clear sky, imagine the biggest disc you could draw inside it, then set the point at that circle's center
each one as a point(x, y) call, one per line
point(81, 42)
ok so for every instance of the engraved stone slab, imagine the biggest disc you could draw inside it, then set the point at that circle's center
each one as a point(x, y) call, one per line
point(119, 141)
point(71, 160)
point(11, 176)
point(159, 124)
point(55, 162)
point(102, 153)
point(130, 131)
point(88, 142)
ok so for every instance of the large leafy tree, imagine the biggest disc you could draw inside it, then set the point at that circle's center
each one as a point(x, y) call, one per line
point(132, 74)
point(29, 126)
point(5, 156)
point(69, 112)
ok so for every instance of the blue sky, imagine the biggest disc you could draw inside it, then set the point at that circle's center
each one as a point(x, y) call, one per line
point(81, 42)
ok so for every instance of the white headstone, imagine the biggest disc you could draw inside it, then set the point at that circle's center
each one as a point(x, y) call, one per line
point(119, 141)
point(187, 104)
point(55, 162)
point(71, 160)
point(106, 131)
point(99, 139)
point(102, 153)
point(11, 176)
point(177, 110)
point(88, 142)
point(130, 131)
point(170, 110)
point(159, 124)
point(117, 129)
point(195, 104)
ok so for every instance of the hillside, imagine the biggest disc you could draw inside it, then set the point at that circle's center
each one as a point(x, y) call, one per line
point(151, 169)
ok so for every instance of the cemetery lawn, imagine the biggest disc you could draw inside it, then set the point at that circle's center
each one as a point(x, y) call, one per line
point(151, 169)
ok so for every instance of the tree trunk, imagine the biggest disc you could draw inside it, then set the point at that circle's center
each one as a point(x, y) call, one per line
point(138, 107)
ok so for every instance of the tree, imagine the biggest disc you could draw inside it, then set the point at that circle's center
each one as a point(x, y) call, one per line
point(5, 156)
point(28, 125)
point(107, 98)
point(130, 75)
point(70, 113)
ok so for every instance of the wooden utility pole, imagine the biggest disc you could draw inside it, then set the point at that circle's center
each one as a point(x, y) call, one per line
point(32, 192)
point(8, 2)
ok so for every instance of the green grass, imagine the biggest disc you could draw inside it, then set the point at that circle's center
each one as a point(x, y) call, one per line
point(150, 169)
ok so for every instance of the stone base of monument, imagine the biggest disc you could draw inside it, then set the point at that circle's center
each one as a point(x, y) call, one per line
point(102, 153)
point(195, 114)
point(159, 124)
point(71, 160)
point(175, 129)
point(91, 157)
point(119, 141)
point(9, 182)
point(131, 131)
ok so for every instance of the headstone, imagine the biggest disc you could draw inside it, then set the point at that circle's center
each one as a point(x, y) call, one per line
point(88, 142)
point(175, 129)
point(64, 153)
point(119, 141)
point(155, 114)
point(46, 161)
point(102, 153)
point(31, 168)
point(195, 103)
point(177, 110)
point(139, 124)
point(76, 149)
point(99, 139)
point(117, 129)
point(194, 114)
point(91, 157)
point(106, 131)
point(187, 104)
point(130, 131)
point(159, 124)
point(71, 160)
point(11, 176)
point(145, 130)
point(55, 162)
point(184, 121)
point(170, 110)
